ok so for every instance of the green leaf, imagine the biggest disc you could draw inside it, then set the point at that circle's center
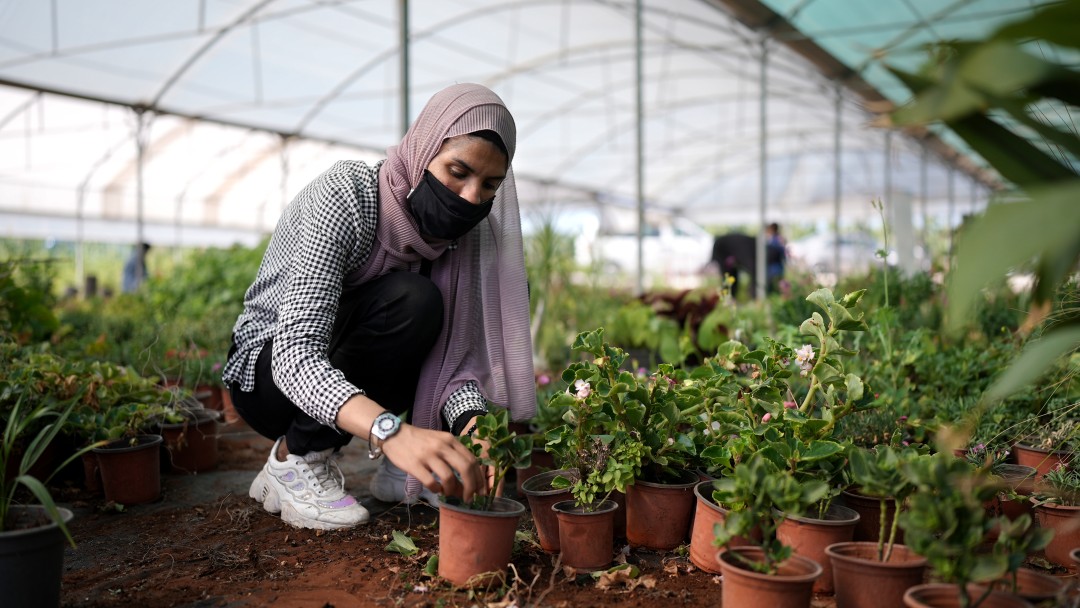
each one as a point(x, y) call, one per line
point(996, 242)
point(1035, 360)
point(1054, 23)
point(432, 567)
point(402, 544)
point(1013, 156)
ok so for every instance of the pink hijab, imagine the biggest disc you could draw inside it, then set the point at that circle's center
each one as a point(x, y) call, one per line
point(485, 335)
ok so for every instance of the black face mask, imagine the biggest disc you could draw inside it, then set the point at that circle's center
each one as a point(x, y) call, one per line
point(439, 212)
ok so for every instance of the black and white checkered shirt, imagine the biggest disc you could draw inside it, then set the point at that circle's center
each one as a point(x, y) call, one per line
point(328, 231)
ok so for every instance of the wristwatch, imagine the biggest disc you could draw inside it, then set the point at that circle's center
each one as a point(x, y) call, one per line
point(384, 427)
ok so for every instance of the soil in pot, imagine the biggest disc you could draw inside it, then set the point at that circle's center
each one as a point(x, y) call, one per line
point(791, 587)
point(193, 444)
point(808, 537)
point(658, 514)
point(540, 496)
point(860, 580)
point(587, 536)
point(32, 558)
point(941, 595)
point(474, 545)
point(131, 469)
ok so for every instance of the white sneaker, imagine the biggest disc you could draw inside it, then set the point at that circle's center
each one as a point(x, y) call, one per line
point(308, 491)
point(388, 485)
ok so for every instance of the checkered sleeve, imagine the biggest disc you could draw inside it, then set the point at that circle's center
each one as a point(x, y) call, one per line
point(327, 230)
point(463, 404)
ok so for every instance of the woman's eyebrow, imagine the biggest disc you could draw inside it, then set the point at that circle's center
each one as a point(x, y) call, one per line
point(474, 171)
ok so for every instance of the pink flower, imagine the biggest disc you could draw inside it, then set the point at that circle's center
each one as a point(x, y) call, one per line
point(790, 405)
point(582, 388)
point(543, 380)
point(902, 419)
point(767, 417)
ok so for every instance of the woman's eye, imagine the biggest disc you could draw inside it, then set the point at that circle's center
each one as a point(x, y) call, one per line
point(457, 173)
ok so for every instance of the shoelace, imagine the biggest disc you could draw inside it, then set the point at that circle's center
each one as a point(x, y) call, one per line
point(328, 475)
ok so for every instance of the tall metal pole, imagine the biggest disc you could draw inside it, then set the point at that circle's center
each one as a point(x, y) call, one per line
point(763, 99)
point(924, 196)
point(639, 145)
point(403, 10)
point(140, 152)
point(837, 177)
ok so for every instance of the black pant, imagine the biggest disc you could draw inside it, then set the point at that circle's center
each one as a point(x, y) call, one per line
point(383, 332)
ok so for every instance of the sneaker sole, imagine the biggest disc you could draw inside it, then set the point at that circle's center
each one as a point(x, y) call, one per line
point(262, 492)
point(290, 516)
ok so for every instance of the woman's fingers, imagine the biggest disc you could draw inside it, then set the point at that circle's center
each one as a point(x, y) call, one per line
point(433, 457)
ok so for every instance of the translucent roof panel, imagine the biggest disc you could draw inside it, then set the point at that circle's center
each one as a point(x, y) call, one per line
point(243, 101)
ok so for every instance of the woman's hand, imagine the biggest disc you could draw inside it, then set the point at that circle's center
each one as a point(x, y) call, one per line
point(432, 457)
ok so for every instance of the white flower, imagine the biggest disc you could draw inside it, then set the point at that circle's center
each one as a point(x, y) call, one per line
point(805, 354)
point(582, 389)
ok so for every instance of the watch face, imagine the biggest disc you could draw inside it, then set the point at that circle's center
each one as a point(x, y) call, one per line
point(386, 424)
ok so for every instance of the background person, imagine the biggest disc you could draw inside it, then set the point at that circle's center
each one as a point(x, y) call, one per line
point(384, 289)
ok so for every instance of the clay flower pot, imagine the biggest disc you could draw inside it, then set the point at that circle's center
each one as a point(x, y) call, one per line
point(869, 509)
point(808, 537)
point(587, 536)
point(131, 469)
point(474, 545)
point(193, 444)
point(541, 496)
point(658, 514)
point(941, 595)
point(791, 587)
point(1064, 520)
point(1032, 585)
point(1020, 479)
point(861, 581)
point(1041, 459)
point(706, 515)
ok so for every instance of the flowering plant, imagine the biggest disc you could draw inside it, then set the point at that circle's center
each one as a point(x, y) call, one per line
point(499, 448)
point(618, 424)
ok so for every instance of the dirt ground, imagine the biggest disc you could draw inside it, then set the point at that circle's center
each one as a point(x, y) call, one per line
point(205, 543)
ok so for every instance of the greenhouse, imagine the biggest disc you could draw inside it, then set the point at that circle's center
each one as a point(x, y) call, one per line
point(540, 303)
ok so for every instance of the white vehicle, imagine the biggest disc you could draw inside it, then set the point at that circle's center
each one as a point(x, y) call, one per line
point(674, 250)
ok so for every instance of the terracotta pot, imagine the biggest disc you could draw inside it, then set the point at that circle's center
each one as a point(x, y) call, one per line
point(537, 490)
point(808, 537)
point(1019, 479)
point(869, 509)
point(475, 546)
point(1065, 522)
point(587, 537)
point(193, 444)
point(620, 514)
point(861, 581)
point(706, 515)
point(228, 410)
point(131, 469)
point(1041, 459)
point(941, 595)
point(791, 587)
point(658, 514)
point(542, 461)
point(32, 557)
point(1032, 585)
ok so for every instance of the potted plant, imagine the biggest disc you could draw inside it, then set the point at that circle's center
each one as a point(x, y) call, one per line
point(31, 536)
point(643, 410)
point(476, 538)
point(1048, 444)
point(1057, 508)
point(765, 573)
point(946, 522)
point(877, 572)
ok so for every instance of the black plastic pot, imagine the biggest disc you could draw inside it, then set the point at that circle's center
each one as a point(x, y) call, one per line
point(32, 559)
